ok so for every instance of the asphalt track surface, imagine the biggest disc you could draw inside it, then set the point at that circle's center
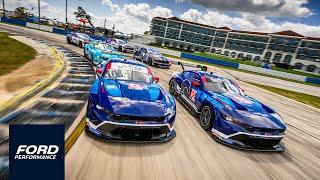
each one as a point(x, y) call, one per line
point(193, 154)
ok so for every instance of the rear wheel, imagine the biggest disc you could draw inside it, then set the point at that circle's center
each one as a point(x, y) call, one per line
point(80, 44)
point(206, 118)
point(68, 41)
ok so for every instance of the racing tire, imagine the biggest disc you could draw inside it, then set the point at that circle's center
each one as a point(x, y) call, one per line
point(206, 118)
point(68, 41)
point(120, 49)
point(80, 44)
point(149, 61)
point(85, 54)
point(172, 89)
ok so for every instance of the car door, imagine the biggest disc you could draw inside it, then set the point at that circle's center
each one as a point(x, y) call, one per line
point(190, 88)
point(144, 54)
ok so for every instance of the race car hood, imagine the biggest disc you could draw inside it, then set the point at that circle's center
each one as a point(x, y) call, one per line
point(249, 111)
point(159, 57)
point(111, 54)
point(136, 98)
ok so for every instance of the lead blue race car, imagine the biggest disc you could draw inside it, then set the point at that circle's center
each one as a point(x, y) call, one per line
point(98, 52)
point(222, 107)
point(126, 104)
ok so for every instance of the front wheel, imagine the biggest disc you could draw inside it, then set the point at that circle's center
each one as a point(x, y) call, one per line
point(172, 89)
point(206, 118)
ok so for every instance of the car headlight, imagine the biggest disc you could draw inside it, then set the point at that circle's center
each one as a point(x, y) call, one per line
point(228, 118)
point(104, 110)
point(169, 112)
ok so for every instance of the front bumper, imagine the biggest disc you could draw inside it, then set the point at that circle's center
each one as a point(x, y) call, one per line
point(128, 50)
point(249, 141)
point(161, 64)
point(127, 132)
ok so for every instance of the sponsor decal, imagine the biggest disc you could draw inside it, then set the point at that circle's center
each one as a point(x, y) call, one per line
point(135, 86)
point(192, 95)
point(36, 152)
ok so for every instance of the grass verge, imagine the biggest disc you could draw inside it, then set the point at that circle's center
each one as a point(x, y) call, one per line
point(301, 97)
point(13, 54)
point(241, 70)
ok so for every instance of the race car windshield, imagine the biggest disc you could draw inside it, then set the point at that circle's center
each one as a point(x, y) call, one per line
point(221, 85)
point(121, 42)
point(84, 36)
point(104, 47)
point(152, 51)
point(129, 72)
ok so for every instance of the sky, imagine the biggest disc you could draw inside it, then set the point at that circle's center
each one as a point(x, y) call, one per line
point(134, 16)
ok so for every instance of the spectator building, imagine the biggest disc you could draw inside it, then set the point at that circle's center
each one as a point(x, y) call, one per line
point(285, 47)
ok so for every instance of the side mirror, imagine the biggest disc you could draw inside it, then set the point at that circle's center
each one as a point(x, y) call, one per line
point(99, 71)
point(195, 83)
point(156, 79)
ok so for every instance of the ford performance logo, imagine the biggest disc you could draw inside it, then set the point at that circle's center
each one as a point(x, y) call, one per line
point(37, 152)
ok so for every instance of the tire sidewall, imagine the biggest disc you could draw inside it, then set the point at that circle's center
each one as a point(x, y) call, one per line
point(208, 126)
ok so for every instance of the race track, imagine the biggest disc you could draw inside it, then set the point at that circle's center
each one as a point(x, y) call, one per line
point(193, 154)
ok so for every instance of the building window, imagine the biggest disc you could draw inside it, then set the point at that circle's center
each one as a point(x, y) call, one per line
point(268, 55)
point(233, 54)
point(257, 58)
point(298, 65)
point(277, 57)
point(249, 57)
point(311, 68)
point(287, 59)
point(240, 56)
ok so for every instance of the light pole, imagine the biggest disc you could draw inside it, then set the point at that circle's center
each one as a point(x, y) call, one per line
point(39, 12)
point(4, 9)
point(66, 14)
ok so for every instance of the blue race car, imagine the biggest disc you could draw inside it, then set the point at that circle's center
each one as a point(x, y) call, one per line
point(126, 104)
point(232, 117)
point(98, 51)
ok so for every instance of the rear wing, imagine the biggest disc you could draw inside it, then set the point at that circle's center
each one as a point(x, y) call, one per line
point(194, 66)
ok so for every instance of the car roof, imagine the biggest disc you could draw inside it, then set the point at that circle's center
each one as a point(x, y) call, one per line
point(202, 73)
point(126, 61)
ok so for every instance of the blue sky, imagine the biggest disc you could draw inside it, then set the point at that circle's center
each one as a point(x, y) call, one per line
point(134, 16)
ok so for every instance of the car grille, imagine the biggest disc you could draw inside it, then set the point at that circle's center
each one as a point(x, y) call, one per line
point(256, 142)
point(255, 130)
point(137, 118)
point(133, 132)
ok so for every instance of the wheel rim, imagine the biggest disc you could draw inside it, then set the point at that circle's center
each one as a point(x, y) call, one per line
point(205, 117)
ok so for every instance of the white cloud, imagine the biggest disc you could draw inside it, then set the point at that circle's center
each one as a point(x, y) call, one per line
point(109, 4)
point(135, 18)
point(286, 8)
point(248, 22)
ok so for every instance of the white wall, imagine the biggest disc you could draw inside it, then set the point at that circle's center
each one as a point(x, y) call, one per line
point(272, 72)
point(40, 27)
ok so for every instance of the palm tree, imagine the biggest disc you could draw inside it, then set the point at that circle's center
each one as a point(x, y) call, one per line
point(81, 13)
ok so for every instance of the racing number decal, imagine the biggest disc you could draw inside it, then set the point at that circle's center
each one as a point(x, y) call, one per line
point(192, 95)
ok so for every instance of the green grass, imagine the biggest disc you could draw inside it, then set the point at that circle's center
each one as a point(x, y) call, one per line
point(13, 54)
point(301, 97)
point(241, 70)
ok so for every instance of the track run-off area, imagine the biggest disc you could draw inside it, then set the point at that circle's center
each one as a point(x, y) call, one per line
point(193, 154)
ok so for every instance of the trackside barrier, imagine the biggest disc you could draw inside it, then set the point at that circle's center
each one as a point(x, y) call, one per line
point(312, 80)
point(59, 31)
point(13, 21)
point(210, 60)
